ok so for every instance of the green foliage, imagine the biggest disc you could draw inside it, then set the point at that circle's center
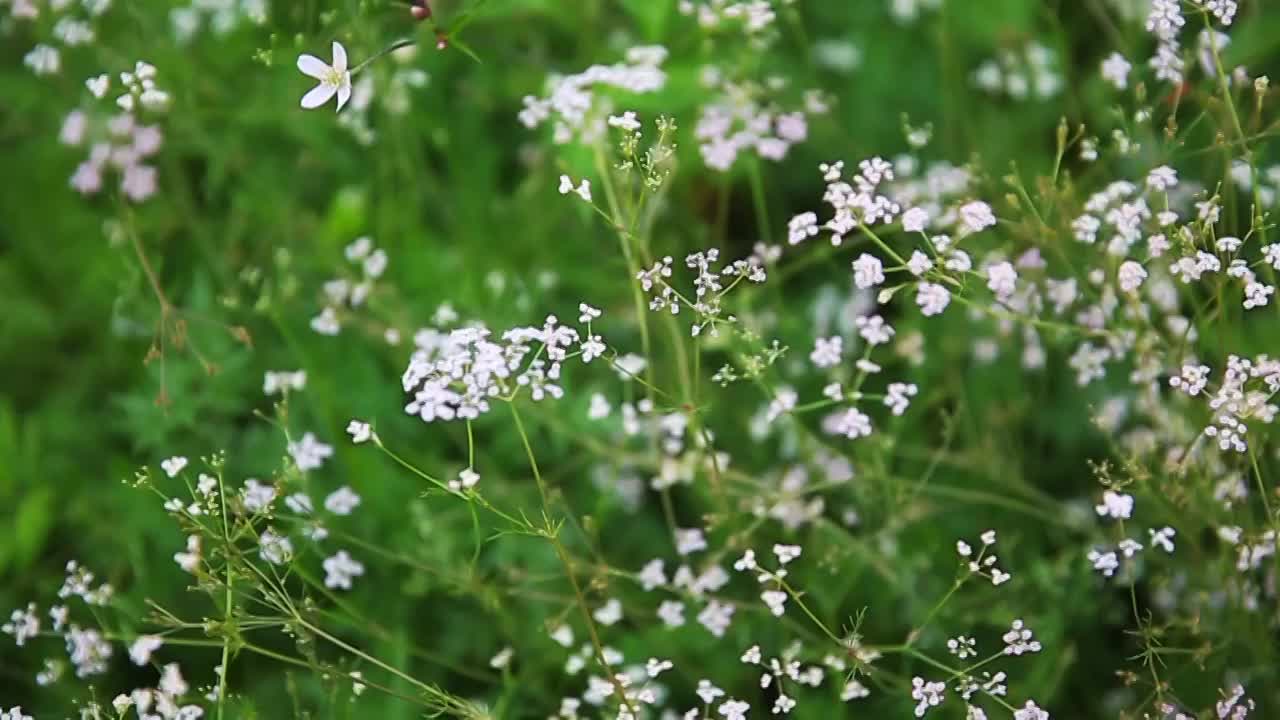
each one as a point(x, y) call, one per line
point(135, 332)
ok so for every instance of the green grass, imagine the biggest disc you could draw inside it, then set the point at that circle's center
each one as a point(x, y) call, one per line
point(258, 199)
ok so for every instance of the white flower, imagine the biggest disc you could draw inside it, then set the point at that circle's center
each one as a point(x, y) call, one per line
point(467, 479)
point(359, 431)
point(502, 659)
point(1131, 276)
point(1115, 70)
point(309, 453)
point(1162, 178)
point(342, 501)
point(43, 60)
point(915, 220)
point(1030, 711)
point(826, 351)
point(173, 465)
point(1163, 538)
point(1115, 505)
point(583, 190)
point(334, 79)
point(932, 298)
point(977, 216)
point(919, 264)
point(141, 649)
point(609, 613)
point(626, 121)
point(1002, 280)
point(775, 600)
point(339, 570)
point(275, 549)
point(926, 694)
point(868, 271)
point(690, 540)
point(99, 85)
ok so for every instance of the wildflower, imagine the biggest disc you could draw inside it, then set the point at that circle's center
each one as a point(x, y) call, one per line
point(919, 264)
point(977, 216)
point(142, 648)
point(1019, 640)
point(915, 220)
point(1131, 276)
point(868, 272)
point(257, 497)
point(1115, 505)
point(274, 383)
point(1002, 280)
point(775, 600)
point(786, 553)
point(932, 298)
point(926, 694)
point(340, 569)
point(334, 79)
point(583, 190)
point(962, 647)
point(1162, 178)
point(1163, 538)
point(342, 501)
point(690, 540)
point(22, 625)
point(1115, 70)
point(359, 431)
point(467, 479)
point(173, 465)
point(1030, 711)
point(609, 613)
point(503, 659)
point(309, 453)
point(671, 613)
point(43, 60)
point(1105, 562)
point(274, 548)
point(826, 351)
point(189, 560)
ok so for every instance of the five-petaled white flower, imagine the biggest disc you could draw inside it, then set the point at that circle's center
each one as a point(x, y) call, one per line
point(334, 79)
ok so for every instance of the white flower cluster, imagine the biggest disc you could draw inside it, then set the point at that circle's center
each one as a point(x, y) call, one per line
point(350, 292)
point(572, 105)
point(456, 375)
point(754, 15)
point(220, 16)
point(118, 142)
point(740, 118)
point(69, 29)
point(1032, 73)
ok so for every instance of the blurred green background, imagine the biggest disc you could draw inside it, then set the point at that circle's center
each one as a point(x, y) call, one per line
point(257, 199)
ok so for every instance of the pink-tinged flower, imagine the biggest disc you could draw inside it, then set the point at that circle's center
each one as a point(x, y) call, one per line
point(334, 79)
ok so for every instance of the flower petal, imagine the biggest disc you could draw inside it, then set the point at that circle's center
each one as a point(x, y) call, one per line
point(318, 96)
point(312, 66)
point(339, 57)
point(344, 92)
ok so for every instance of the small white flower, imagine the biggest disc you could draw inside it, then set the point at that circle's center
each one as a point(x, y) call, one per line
point(342, 501)
point(1115, 505)
point(99, 85)
point(915, 220)
point(173, 465)
point(141, 649)
point(359, 431)
point(868, 271)
point(1115, 70)
point(466, 480)
point(340, 569)
point(334, 79)
point(502, 659)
